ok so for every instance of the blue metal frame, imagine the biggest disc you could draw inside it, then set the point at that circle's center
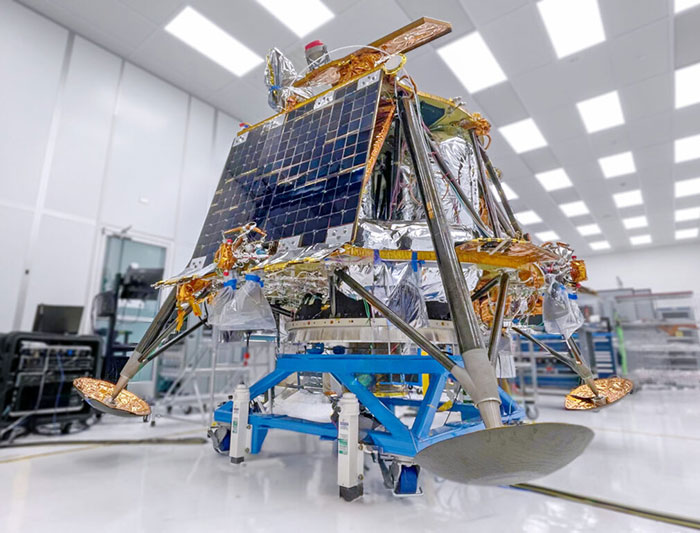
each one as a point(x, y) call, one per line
point(395, 437)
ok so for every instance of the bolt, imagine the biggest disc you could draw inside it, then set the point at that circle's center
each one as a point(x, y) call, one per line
point(247, 450)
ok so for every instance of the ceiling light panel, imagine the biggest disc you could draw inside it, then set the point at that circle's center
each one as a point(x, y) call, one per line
point(628, 199)
point(300, 16)
point(689, 233)
point(688, 86)
point(617, 165)
point(574, 209)
point(197, 31)
point(691, 213)
point(472, 62)
point(523, 136)
point(687, 188)
point(572, 26)
point(682, 5)
point(589, 229)
point(636, 240)
point(599, 245)
point(601, 112)
point(553, 180)
point(687, 149)
point(635, 222)
point(528, 217)
point(545, 236)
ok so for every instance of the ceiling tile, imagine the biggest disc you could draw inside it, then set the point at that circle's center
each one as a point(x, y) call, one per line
point(560, 123)
point(160, 12)
point(648, 97)
point(686, 35)
point(527, 45)
point(642, 53)
point(622, 16)
point(484, 12)
point(244, 101)
point(542, 88)
point(164, 54)
point(587, 74)
point(501, 105)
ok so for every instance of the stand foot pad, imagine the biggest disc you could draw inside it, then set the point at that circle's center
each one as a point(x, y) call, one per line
point(351, 493)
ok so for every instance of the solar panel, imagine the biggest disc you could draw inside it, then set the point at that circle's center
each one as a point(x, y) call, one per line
point(298, 174)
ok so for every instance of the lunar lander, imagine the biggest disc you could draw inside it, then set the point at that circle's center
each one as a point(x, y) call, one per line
point(366, 224)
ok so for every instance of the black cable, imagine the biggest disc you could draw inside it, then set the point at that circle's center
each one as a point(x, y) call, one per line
point(107, 442)
point(611, 506)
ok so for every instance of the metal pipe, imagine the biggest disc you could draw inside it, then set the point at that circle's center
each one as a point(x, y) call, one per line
point(577, 365)
point(174, 340)
point(498, 319)
point(456, 290)
point(483, 290)
point(133, 364)
point(457, 188)
point(499, 189)
point(484, 186)
point(431, 349)
point(477, 376)
point(586, 373)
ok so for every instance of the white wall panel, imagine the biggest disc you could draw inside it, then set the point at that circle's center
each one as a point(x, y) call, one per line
point(83, 131)
point(146, 155)
point(226, 129)
point(31, 56)
point(15, 226)
point(197, 178)
point(664, 269)
point(61, 265)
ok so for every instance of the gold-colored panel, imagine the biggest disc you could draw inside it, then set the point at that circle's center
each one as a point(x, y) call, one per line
point(101, 391)
point(498, 252)
point(411, 36)
point(612, 389)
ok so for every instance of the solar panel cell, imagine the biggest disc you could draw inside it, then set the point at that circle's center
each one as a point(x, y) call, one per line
point(298, 174)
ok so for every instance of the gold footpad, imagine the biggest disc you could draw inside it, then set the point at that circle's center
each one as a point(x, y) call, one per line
point(101, 392)
point(612, 389)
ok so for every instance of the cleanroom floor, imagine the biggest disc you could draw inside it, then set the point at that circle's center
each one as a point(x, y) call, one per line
point(646, 453)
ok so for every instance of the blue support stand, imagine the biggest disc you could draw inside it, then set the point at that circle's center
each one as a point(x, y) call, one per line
point(394, 438)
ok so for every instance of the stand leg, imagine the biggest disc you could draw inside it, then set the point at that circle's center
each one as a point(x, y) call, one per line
point(239, 424)
point(350, 457)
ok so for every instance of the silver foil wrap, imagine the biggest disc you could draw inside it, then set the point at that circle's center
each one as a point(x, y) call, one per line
point(460, 159)
point(396, 235)
point(279, 77)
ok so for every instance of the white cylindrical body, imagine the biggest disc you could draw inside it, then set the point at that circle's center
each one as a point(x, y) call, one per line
point(350, 457)
point(239, 424)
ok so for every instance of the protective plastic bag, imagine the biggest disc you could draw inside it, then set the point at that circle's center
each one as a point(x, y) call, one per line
point(406, 299)
point(560, 311)
point(223, 298)
point(248, 310)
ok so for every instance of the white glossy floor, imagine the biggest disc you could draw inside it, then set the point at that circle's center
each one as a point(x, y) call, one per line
point(646, 453)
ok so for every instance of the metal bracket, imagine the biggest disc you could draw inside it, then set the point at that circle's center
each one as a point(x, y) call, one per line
point(369, 79)
point(289, 243)
point(197, 262)
point(324, 100)
point(339, 235)
point(240, 139)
